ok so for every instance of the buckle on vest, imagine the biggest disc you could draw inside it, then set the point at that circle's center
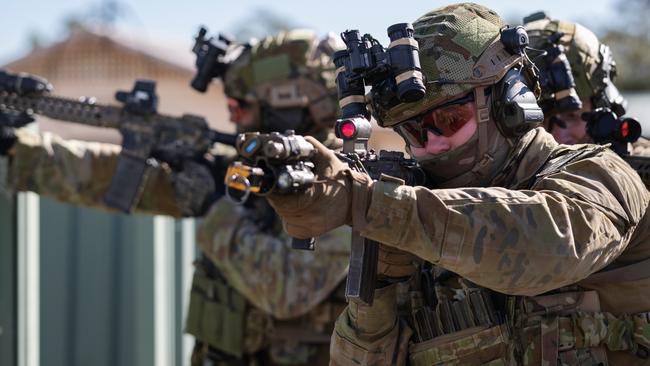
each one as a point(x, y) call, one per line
point(485, 160)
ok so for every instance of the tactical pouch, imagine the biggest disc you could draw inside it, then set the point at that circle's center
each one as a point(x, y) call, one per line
point(563, 329)
point(456, 323)
point(216, 314)
point(481, 345)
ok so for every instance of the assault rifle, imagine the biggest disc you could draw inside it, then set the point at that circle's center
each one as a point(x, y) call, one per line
point(146, 134)
point(281, 163)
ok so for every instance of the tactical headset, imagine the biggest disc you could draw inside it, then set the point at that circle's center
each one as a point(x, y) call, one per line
point(514, 108)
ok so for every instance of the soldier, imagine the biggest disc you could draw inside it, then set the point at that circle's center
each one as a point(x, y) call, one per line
point(254, 300)
point(519, 251)
point(594, 71)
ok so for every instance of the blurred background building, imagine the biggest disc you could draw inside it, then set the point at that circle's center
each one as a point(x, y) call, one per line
point(84, 286)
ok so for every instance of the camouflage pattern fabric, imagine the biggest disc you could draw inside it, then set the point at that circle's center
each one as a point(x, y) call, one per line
point(575, 335)
point(272, 59)
point(293, 288)
point(451, 41)
point(79, 172)
point(371, 335)
point(582, 50)
point(261, 265)
point(499, 237)
point(294, 64)
point(487, 346)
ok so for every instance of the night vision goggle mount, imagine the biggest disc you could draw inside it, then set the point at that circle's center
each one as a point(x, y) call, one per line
point(556, 78)
point(211, 58)
point(393, 73)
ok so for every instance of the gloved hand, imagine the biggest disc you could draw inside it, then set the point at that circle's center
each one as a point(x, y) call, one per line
point(396, 263)
point(8, 122)
point(326, 204)
point(7, 139)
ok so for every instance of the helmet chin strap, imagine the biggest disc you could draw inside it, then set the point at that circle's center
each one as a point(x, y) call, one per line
point(482, 117)
point(482, 169)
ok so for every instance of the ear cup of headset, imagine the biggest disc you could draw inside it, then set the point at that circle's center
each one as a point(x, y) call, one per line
point(515, 107)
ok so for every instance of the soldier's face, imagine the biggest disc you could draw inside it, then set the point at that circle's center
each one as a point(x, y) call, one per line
point(575, 131)
point(437, 143)
point(239, 114)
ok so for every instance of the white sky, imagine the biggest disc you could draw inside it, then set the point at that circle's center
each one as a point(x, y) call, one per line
point(180, 19)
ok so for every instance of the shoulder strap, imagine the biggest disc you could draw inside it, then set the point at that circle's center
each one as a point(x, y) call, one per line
point(563, 158)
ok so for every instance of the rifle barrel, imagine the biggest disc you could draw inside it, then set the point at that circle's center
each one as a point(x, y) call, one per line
point(224, 138)
point(64, 109)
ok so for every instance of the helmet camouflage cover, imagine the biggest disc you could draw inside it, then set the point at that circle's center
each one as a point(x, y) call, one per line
point(291, 69)
point(583, 50)
point(453, 47)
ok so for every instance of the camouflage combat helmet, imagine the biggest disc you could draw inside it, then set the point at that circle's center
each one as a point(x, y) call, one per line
point(461, 52)
point(459, 49)
point(290, 71)
point(592, 64)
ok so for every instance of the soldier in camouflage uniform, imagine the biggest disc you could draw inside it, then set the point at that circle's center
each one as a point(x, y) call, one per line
point(283, 82)
point(254, 300)
point(544, 260)
point(594, 72)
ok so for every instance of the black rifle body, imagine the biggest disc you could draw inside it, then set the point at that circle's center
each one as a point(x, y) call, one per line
point(144, 136)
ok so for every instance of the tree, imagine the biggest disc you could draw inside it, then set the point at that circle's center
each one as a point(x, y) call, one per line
point(629, 38)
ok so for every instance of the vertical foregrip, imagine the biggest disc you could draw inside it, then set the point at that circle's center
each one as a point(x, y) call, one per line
point(127, 182)
point(362, 275)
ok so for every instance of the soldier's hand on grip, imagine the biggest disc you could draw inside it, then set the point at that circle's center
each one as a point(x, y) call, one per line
point(396, 263)
point(10, 120)
point(326, 203)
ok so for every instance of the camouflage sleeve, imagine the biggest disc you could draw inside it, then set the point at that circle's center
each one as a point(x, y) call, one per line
point(79, 172)
point(525, 242)
point(261, 264)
